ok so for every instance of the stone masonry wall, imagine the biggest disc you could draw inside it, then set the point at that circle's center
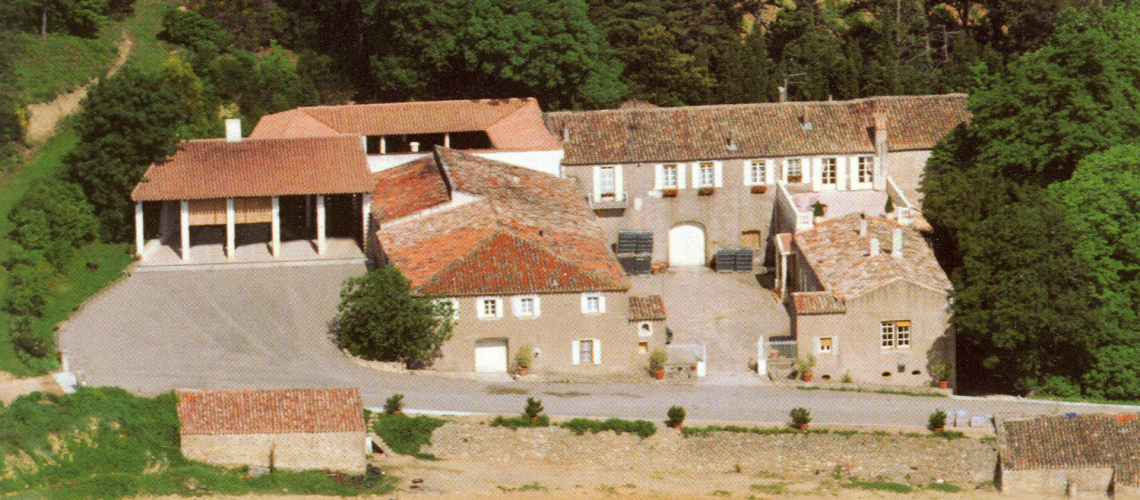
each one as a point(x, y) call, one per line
point(894, 457)
point(336, 451)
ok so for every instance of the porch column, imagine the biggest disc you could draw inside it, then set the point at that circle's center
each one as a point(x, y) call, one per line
point(275, 247)
point(184, 217)
point(230, 227)
point(446, 140)
point(365, 214)
point(322, 242)
point(139, 241)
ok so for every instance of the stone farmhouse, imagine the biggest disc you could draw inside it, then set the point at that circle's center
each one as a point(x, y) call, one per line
point(518, 216)
point(876, 315)
point(1094, 455)
point(289, 429)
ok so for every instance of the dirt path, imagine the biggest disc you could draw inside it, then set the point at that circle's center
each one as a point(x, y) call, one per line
point(11, 387)
point(43, 116)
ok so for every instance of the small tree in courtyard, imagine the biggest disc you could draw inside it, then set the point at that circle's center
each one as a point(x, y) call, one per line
point(380, 319)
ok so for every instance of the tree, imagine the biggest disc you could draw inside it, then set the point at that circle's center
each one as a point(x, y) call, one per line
point(381, 319)
point(745, 72)
point(662, 75)
point(53, 217)
point(1103, 203)
point(128, 121)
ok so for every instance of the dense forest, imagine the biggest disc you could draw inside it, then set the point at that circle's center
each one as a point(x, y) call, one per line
point(1034, 202)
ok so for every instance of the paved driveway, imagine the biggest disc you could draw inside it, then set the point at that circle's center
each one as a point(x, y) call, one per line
point(728, 311)
point(265, 328)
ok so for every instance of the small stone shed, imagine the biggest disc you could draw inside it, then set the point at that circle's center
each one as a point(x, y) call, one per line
point(1091, 456)
point(290, 429)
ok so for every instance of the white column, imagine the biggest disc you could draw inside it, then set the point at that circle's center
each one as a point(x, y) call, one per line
point(321, 240)
point(761, 357)
point(276, 227)
point(184, 217)
point(365, 213)
point(139, 241)
point(230, 227)
point(446, 140)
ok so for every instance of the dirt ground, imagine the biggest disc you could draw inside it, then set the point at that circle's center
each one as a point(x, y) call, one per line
point(11, 387)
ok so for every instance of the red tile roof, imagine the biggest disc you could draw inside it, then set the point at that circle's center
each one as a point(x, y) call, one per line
point(1080, 441)
point(808, 303)
point(841, 259)
point(507, 230)
point(275, 411)
point(511, 124)
point(409, 188)
point(650, 308)
point(637, 134)
point(215, 168)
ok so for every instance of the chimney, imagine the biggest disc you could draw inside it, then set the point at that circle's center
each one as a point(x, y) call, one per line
point(233, 130)
point(874, 247)
point(897, 243)
point(415, 146)
point(805, 122)
point(783, 94)
point(565, 133)
point(862, 226)
point(881, 137)
point(730, 143)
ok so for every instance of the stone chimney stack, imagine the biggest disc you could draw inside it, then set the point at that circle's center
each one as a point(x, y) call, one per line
point(882, 129)
point(874, 247)
point(862, 226)
point(897, 243)
point(565, 133)
point(783, 94)
point(233, 130)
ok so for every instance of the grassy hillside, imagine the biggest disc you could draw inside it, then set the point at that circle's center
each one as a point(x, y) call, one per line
point(105, 443)
point(46, 67)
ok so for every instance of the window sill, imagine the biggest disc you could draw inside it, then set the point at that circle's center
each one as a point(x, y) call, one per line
point(706, 191)
point(668, 193)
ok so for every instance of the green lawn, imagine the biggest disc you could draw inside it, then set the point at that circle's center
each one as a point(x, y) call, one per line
point(47, 67)
point(149, 52)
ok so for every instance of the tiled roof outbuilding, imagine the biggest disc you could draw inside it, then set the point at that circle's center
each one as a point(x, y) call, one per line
point(688, 133)
point(270, 411)
point(649, 308)
point(1073, 442)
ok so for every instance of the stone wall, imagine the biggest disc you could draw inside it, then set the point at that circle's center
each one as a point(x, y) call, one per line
point(1088, 482)
point(893, 457)
point(336, 451)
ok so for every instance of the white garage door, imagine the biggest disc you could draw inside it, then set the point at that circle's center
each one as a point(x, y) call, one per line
point(687, 245)
point(491, 355)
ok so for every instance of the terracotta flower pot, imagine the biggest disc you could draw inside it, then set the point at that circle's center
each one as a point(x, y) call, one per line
point(943, 384)
point(659, 374)
point(669, 193)
point(677, 425)
point(938, 430)
point(802, 427)
point(759, 189)
point(807, 376)
point(522, 371)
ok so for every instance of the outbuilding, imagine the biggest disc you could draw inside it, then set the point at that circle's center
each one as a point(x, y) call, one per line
point(289, 429)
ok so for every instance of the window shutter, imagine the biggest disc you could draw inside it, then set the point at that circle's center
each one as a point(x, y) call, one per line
point(601, 303)
point(597, 183)
point(575, 354)
point(816, 173)
point(516, 306)
point(498, 308)
point(769, 172)
point(747, 173)
point(718, 174)
point(597, 351)
point(583, 303)
point(619, 193)
point(696, 168)
point(659, 176)
point(537, 305)
point(841, 173)
point(680, 176)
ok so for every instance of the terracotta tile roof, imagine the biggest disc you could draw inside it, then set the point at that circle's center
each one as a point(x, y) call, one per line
point(511, 124)
point(214, 168)
point(637, 134)
point(507, 230)
point(650, 308)
point(408, 188)
point(275, 411)
point(840, 258)
point(1079, 441)
point(808, 303)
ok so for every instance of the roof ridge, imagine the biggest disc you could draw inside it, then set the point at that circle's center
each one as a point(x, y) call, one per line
point(666, 109)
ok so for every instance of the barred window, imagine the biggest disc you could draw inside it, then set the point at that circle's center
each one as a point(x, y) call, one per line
point(829, 168)
point(866, 169)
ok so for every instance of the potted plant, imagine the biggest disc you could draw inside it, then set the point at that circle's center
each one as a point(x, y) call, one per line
point(669, 193)
point(889, 208)
point(801, 417)
point(937, 421)
point(657, 360)
point(676, 416)
point(394, 405)
point(804, 366)
point(818, 210)
point(942, 373)
point(533, 409)
point(706, 191)
point(759, 189)
point(523, 359)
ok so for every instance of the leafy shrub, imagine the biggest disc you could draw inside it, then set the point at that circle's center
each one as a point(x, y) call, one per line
point(533, 408)
point(26, 340)
point(800, 416)
point(640, 427)
point(524, 356)
point(53, 217)
point(818, 209)
point(941, 371)
point(405, 435)
point(889, 207)
point(937, 420)
point(676, 416)
point(514, 423)
point(657, 359)
point(394, 404)
point(199, 33)
point(879, 486)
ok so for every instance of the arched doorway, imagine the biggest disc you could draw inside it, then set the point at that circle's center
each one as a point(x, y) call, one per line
point(687, 245)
